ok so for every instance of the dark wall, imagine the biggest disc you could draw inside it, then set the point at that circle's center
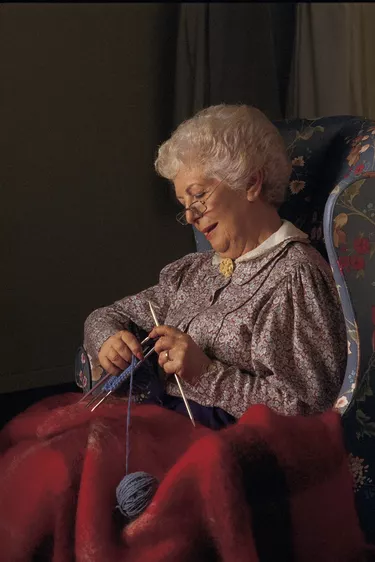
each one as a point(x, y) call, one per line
point(86, 97)
point(234, 52)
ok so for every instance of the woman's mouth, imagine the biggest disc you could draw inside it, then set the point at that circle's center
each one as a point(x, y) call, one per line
point(209, 230)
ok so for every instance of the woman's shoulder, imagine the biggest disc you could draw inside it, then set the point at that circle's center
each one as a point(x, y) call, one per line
point(303, 258)
point(305, 253)
point(189, 262)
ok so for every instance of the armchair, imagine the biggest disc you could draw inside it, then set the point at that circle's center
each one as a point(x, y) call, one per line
point(331, 197)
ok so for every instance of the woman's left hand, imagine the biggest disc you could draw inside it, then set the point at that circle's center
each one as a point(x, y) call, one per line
point(178, 353)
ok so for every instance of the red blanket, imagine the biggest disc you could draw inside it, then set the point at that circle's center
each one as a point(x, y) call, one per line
point(269, 488)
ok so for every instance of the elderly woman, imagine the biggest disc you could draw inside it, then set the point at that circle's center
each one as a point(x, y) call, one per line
point(256, 320)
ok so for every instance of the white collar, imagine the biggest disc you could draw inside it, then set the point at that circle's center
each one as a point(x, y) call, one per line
point(287, 231)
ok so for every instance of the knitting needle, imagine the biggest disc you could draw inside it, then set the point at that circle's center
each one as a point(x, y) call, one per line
point(175, 375)
point(102, 381)
point(110, 391)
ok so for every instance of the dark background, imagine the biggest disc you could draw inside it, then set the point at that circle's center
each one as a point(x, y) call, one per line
point(88, 92)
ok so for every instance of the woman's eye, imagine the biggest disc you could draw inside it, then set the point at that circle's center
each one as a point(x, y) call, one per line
point(199, 195)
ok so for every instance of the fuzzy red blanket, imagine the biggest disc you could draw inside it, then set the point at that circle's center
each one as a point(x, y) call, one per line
point(266, 489)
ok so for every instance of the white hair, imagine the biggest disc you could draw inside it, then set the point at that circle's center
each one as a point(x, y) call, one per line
point(231, 142)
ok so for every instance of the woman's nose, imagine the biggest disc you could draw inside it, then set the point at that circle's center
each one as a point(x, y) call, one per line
point(190, 216)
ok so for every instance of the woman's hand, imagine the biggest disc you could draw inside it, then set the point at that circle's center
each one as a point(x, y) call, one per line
point(115, 355)
point(178, 353)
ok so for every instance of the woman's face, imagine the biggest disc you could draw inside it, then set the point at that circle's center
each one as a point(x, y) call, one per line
point(227, 223)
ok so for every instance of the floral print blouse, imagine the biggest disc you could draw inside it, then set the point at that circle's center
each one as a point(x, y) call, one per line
point(274, 330)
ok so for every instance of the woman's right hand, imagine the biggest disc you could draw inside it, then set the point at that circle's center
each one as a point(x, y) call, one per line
point(115, 355)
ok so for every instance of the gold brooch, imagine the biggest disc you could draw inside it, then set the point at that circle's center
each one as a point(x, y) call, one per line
point(226, 267)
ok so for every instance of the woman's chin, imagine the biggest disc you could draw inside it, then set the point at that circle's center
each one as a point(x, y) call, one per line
point(223, 252)
point(221, 247)
point(217, 247)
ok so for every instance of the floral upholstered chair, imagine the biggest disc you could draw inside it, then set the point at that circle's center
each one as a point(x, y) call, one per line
point(331, 197)
point(349, 230)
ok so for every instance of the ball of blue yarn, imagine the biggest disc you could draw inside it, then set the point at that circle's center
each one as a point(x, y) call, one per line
point(135, 492)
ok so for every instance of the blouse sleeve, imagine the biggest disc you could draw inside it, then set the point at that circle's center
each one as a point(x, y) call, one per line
point(105, 322)
point(298, 352)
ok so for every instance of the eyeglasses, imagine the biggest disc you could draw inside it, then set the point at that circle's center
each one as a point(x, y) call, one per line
point(198, 208)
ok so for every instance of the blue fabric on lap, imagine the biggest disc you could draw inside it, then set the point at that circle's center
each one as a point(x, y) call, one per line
point(212, 417)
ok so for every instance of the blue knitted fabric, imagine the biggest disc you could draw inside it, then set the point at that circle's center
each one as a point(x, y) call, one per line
point(114, 382)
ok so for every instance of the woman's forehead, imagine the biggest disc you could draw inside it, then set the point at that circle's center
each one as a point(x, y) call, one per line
point(188, 179)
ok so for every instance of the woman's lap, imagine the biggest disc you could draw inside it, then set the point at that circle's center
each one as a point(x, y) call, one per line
point(212, 417)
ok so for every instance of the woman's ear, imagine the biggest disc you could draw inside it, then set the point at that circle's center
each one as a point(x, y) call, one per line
point(255, 187)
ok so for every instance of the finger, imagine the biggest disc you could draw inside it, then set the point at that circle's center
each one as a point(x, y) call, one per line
point(163, 344)
point(164, 358)
point(123, 350)
point(163, 330)
point(116, 359)
point(171, 367)
point(133, 344)
point(109, 367)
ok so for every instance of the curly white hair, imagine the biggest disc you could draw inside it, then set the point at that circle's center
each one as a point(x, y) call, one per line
point(230, 142)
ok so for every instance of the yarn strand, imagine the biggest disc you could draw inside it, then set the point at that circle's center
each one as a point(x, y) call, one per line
point(132, 365)
point(136, 490)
